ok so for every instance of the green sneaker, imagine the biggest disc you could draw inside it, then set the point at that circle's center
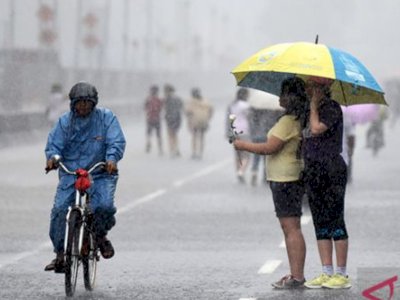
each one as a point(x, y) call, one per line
point(337, 281)
point(317, 282)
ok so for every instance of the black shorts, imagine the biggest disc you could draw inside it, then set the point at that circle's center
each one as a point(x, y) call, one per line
point(153, 125)
point(325, 183)
point(288, 197)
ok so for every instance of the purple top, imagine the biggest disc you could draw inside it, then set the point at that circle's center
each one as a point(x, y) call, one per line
point(327, 145)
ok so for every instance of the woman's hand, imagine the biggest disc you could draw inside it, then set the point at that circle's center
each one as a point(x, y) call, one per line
point(238, 144)
point(317, 96)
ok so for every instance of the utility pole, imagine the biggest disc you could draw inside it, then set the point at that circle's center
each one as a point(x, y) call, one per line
point(149, 36)
point(78, 34)
point(126, 34)
point(11, 34)
point(56, 25)
point(104, 43)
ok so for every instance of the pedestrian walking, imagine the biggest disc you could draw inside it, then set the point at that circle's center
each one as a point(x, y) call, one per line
point(375, 133)
point(349, 142)
point(173, 116)
point(261, 121)
point(83, 137)
point(241, 109)
point(198, 112)
point(283, 167)
point(153, 107)
point(57, 104)
point(325, 178)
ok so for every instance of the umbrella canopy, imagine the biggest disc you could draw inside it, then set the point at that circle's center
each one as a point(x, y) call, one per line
point(262, 100)
point(266, 70)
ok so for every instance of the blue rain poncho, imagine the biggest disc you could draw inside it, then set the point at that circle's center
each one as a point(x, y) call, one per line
point(81, 143)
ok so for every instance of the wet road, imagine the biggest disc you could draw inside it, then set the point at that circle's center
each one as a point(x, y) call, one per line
point(187, 230)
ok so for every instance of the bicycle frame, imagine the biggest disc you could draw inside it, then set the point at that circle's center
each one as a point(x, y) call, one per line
point(81, 206)
point(73, 253)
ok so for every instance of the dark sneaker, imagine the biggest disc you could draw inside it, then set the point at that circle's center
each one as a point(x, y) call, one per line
point(57, 265)
point(288, 282)
point(106, 248)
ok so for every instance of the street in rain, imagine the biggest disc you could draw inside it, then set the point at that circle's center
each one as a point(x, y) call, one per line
point(190, 222)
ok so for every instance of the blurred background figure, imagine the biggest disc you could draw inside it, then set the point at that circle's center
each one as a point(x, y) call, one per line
point(57, 104)
point(263, 114)
point(173, 117)
point(375, 133)
point(241, 109)
point(198, 112)
point(153, 107)
point(349, 142)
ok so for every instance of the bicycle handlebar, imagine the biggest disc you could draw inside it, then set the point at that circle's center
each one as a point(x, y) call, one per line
point(58, 162)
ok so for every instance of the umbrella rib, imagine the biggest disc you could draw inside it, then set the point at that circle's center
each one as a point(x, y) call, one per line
point(343, 93)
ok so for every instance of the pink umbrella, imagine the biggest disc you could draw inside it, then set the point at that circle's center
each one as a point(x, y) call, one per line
point(361, 113)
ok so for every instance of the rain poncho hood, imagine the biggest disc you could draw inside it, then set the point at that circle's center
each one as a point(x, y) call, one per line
point(82, 142)
point(83, 91)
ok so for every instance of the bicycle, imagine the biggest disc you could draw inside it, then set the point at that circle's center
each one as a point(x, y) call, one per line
point(80, 239)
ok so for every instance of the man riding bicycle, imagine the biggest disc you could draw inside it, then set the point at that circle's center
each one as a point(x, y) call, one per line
point(82, 137)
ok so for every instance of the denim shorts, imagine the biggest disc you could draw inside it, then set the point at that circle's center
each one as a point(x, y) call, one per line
point(287, 197)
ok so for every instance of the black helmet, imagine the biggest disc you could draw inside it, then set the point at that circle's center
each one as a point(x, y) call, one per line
point(83, 91)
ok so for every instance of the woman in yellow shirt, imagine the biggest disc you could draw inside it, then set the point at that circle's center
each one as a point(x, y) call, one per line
point(284, 166)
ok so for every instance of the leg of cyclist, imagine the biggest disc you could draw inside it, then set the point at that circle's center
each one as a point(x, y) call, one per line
point(102, 205)
point(63, 199)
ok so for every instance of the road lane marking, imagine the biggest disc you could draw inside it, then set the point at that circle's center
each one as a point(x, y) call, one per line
point(305, 220)
point(22, 255)
point(142, 200)
point(126, 208)
point(201, 173)
point(269, 267)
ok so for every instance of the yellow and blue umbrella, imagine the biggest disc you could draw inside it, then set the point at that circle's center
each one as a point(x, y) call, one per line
point(353, 83)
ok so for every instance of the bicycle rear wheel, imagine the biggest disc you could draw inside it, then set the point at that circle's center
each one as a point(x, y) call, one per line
point(89, 260)
point(72, 254)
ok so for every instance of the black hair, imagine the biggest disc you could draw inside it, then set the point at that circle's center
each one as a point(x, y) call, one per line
point(242, 94)
point(297, 103)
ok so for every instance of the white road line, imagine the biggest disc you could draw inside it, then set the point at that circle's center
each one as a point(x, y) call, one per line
point(269, 267)
point(23, 255)
point(130, 206)
point(201, 173)
point(142, 200)
point(305, 220)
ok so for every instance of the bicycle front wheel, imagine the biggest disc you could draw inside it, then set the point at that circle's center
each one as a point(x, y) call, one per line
point(89, 260)
point(72, 254)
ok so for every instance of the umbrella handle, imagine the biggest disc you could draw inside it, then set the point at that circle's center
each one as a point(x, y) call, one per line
point(234, 134)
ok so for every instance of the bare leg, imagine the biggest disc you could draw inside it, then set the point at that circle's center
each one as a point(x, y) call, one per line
point(295, 245)
point(171, 141)
point(341, 248)
point(325, 249)
point(159, 140)
point(194, 143)
point(201, 142)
